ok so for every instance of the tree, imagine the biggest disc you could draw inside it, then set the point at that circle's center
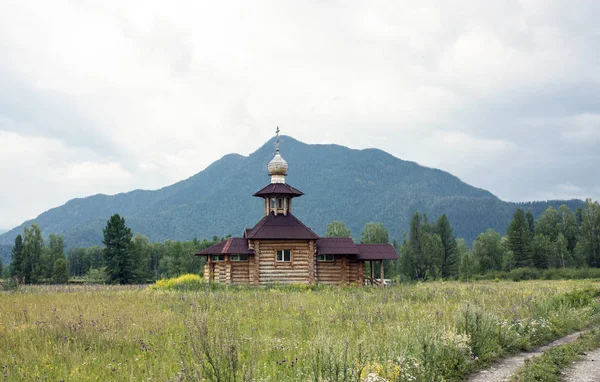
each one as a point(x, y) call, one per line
point(590, 233)
point(542, 249)
point(175, 254)
point(338, 229)
point(141, 254)
point(568, 226)
point(55, 251)
point(16, 263)
point(374, 234)
point(468, 263)
point(508, 261)
point(421, 254)
point(60, 271)
point(561, 257)
point(117, 251)
point(449, 261)
point(488, 251)
point(530, 222)
point(519, 239)
point(548, 224)
point(33, 245)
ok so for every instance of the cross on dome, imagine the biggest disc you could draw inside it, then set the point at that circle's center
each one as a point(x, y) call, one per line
point(277, 166)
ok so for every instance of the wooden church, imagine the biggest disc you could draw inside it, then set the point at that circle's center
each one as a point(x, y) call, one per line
point(281, 249)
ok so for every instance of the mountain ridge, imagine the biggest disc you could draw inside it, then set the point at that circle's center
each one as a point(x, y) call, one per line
point(340, 183)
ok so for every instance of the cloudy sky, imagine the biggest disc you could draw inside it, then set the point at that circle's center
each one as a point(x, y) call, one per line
point(110, 96)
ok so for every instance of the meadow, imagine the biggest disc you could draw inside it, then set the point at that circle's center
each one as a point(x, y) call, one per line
point(429, 331)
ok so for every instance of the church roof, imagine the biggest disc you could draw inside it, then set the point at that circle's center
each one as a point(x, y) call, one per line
point(346, 246)
point(376, 252)
point(336, 246)
point(280, 226)
point(279, 189)
point(232, 245)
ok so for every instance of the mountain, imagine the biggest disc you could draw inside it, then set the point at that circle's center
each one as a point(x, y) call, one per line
point(355, 186)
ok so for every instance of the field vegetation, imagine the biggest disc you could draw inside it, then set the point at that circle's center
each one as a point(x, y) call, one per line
point(425, 331)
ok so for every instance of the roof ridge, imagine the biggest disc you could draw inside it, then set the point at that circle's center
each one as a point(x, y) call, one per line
point(259, 225)
point(227, 245)
point(303, 225)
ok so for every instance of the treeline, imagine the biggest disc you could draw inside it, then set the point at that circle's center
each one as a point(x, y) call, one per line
point(558, 239)
point(33, 261)
point(124, 259)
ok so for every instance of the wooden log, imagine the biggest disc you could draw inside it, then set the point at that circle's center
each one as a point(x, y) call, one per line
point(256, 262)
point(345, 270)
point(311, 261)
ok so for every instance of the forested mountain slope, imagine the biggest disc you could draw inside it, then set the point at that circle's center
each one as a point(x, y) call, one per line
point(355, 186)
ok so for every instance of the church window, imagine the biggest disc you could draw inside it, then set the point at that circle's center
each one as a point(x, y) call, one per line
point(239, 257)
point(218, 257)
point(325, 258)
point(284, 255)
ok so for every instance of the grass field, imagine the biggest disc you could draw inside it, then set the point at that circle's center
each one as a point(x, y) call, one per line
point(432, 331)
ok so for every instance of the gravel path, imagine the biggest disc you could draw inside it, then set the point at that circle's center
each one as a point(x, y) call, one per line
point(587, 370)
point(503, 370)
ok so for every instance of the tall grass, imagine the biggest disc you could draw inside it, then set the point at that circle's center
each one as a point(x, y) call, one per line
point(433, 331)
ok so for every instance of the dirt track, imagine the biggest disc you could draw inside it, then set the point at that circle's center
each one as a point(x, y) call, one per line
point(503, 370)
point(587, 370)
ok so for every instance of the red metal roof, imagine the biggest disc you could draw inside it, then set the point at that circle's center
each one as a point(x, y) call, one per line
point(233, 245)
point(377, 252)
point(279, 189)
point(280, 226)
point(336, 246)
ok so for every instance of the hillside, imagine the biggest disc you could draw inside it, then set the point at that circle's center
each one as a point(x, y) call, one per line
point(355, 186)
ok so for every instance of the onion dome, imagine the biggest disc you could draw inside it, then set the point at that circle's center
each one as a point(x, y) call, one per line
point(277, 165)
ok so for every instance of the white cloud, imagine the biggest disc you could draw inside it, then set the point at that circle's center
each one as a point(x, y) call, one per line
point(145, 94)
point(40, 173)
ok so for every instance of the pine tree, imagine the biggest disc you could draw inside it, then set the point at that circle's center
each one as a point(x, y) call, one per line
point(530, 222)
point(117, 240)
point(416, 264)
point(519, 239)
point(449, 261)
point(16, 263)
point(421, 255)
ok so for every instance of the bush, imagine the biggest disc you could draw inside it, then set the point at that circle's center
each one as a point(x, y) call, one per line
point(183, 282)
point(521, 274)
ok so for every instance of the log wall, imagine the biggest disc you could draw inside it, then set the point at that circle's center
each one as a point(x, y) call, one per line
point(304, 268)
point(240, 271)
point(343, 270)
point(298, 270)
